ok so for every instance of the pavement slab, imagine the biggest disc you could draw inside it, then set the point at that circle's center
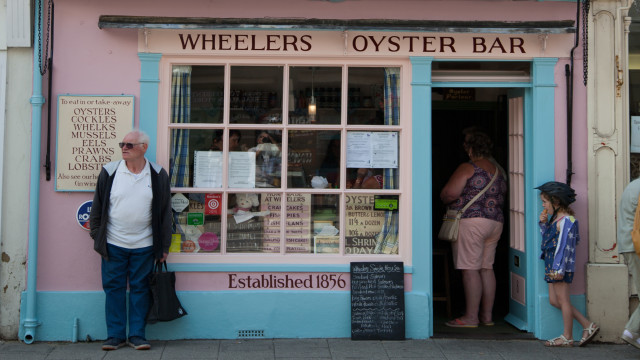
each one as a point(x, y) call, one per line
point(319, 349)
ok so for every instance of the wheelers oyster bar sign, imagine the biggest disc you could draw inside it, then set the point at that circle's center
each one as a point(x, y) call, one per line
point(207, 42)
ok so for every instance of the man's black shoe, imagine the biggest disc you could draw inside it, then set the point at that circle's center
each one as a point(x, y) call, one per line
point(113, 344)
point(139, 343)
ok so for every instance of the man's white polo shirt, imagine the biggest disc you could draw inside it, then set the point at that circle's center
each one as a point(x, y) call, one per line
point(129, 223)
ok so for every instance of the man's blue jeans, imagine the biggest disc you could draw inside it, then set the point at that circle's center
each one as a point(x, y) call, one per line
point(136, 265)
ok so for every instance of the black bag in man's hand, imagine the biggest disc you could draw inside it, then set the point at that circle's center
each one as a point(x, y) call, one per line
point(165, 305)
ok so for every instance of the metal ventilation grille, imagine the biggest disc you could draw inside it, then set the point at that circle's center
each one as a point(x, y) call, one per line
point(250, 333)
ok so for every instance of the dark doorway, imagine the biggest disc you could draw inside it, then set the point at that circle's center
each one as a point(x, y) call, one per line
point(486, 108)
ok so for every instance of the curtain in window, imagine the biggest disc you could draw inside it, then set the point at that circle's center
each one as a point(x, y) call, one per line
point(387, 239)
point(180, 113)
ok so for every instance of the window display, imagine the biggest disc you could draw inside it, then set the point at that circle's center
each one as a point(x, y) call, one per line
point(223, 145)
point(315, 95)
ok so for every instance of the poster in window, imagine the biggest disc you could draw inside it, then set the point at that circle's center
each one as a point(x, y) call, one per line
point(89, 130)
point(364, 223)
point(376, 150)
point(298, 223)
point(242, 169)
point(207, 169)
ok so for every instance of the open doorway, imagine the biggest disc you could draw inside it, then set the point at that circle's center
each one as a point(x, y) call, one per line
point(455, 109)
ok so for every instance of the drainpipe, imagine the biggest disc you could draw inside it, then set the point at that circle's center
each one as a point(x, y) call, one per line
point(568, 71)
point(37, 100)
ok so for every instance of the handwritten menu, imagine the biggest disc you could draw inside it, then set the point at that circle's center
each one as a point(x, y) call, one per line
point(377, 301)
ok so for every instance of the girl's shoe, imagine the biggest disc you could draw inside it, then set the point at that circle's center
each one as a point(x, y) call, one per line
point(590, 331)
point(560, 341)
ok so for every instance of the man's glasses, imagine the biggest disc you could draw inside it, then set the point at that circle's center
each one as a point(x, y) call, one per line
point(128, 146)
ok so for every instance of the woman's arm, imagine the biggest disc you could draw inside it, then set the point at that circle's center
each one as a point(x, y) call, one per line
point(453, 189)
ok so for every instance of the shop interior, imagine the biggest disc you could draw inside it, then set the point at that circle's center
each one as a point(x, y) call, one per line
point(455, 109)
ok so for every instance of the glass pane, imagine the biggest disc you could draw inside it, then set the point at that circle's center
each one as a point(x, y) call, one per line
point(252, 220)
point(314, 159)
point(256, 160)
point(256, 94)
point(312, 224)
point(197, 223)
point(373, 160)
point(373, 96)
point(369, 231)
point(207, 94)
point(197, 94)
point(319, 85)
point(190, 146)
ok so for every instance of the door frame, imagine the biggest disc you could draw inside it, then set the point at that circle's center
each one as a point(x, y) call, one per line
point(539, 159)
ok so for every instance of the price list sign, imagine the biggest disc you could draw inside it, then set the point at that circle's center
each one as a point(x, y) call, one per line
point(377, 301)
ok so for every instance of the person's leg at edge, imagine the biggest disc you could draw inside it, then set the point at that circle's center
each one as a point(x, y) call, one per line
point(468, 255)
point(488, 295)
point(487, 274)
point(472, 284)
point(140, 266)
point(114, 283)
point(633, 263)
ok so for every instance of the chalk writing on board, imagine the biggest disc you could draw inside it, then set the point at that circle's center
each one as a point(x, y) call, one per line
point(377, 301)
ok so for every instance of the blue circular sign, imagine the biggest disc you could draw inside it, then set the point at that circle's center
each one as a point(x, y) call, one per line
point(82, 215)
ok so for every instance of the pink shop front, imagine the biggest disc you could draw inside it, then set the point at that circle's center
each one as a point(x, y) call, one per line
point(264, 131)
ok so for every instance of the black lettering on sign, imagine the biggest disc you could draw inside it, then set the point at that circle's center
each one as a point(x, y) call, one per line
point(377, 301)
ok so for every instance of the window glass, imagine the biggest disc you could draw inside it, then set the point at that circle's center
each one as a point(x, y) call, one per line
point(369, 231)
point(197, 219)
point(312, 223)
point(191, 146)
point(256, 95)
point(256, 161)
point(250, 220)
point(373, 96)
point(314, 159)
point(207, 95)
point(372, 160)
point(325, 216)
point(224, 152)
point(319, 86)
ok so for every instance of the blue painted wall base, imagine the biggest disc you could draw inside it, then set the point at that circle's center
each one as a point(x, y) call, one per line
point(222, 314)
point(551, 322)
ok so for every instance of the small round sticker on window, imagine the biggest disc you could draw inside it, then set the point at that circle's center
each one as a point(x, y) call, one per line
point(82, 215)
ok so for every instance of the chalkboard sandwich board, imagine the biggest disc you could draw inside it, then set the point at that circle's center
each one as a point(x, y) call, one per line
point(377, 301)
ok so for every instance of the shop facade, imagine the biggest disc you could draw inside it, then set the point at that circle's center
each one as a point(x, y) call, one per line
point(286, 139)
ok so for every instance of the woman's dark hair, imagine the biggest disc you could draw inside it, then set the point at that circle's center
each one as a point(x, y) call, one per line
point(478, 142)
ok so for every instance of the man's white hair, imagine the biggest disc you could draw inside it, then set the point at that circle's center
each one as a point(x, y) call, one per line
point(140, 135)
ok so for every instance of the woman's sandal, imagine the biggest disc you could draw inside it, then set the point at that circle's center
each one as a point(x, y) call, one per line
point(564, 342)
point(592, 330)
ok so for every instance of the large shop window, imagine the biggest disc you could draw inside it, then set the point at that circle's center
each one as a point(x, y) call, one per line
point(285, 159)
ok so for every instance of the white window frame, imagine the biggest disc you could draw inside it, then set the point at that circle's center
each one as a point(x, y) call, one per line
point(404, 127)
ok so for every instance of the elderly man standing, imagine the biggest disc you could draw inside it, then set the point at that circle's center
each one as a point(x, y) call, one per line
point(626, 215)
point(131, 226)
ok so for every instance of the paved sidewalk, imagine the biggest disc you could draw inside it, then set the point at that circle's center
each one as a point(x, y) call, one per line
point(319, 349)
